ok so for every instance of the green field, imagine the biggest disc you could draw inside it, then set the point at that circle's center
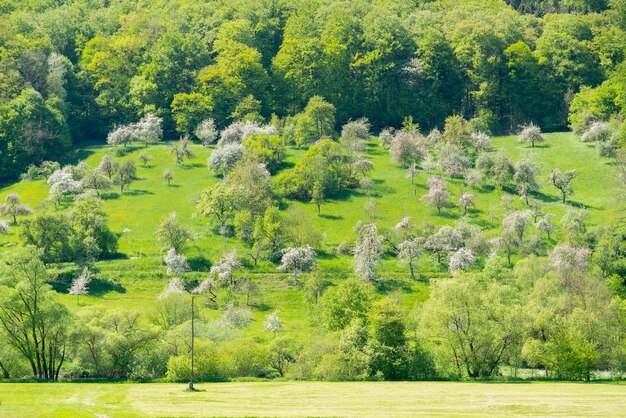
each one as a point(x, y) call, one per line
point(313, 399)
point(140, 275)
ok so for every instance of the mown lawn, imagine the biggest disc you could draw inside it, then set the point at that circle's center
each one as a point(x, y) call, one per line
point(313, 399)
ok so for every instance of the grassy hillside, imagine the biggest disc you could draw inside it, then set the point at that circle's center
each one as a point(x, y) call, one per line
point(140, 276)
point(320, 399)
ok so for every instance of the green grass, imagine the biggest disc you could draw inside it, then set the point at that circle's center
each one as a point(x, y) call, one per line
point(313, 399)
point(141, 276)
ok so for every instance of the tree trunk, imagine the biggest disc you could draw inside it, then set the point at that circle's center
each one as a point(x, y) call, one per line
point(191, 388)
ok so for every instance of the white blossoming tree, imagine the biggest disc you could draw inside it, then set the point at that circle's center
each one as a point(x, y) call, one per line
point(224, 269)
point(176, 263)
point(437, 195)
point(461, 260)
point(409, 252)
point(206, 131)
point(297, 261)
point(368, 251)
point(273, 323)
point(80, 285)
point(530, 133)
point(13, 207)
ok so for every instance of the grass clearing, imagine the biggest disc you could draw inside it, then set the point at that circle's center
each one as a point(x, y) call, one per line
point(313, 399)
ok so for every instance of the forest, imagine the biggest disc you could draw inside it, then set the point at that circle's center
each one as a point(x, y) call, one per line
point(312, 190)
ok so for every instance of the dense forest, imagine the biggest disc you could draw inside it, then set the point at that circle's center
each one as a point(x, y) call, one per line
point(339, 190)
point(72, 70)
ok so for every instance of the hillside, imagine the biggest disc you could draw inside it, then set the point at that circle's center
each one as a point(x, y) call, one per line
point(138, 274)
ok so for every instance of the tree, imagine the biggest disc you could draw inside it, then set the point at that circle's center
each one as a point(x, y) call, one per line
point(466, 200)
point(530, 133)
point(297, 261)
point(524, 178)
point(148, 130)
point(317, 196)
point(273, 323)
point(168, 176)
point(144, 158)
point(4, 227)
point(224, 269)
point(406, 149)
point(122, 135)
point(461, 260)
point(409, 252)
point(108, 166)
point(322, 115)
point(189, 110)
point(176, 264)
point(126, 174)
point(225, 157)
point(444, 241)
point(63, 182)
point(181, 150)
point(96, 180)
point(472, 340)
point(437, 195)
point(342, 304)
point(545, 225)
point(219, 202)
point(80, 285)
point(173, 234)
point(35, 323)
point(368, 251)
point(599, 131)
point(206, 132)
point(13, 206)
point(562, 181)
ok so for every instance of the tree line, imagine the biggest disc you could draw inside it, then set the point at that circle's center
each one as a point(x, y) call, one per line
point(75, 70)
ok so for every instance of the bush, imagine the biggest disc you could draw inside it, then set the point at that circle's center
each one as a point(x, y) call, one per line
point(246, 358)
point(209, 364)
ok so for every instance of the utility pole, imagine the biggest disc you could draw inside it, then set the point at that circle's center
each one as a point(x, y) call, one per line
point(191, 388)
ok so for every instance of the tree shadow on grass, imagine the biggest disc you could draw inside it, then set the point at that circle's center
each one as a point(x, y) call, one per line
point(190, 166)
point(99, 287)
point(173, 186)
point(392, 285)
point(545, 197)
point(137, 192)
point(331, 217)
point(262, 307)
point(77, 155)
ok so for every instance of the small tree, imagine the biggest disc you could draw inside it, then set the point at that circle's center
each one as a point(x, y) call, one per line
point(121, 135)
point(530, 133)
point(168, 176)
point(225, 157)
point(144, 159)
point(182, 150)
point(108, 166)
point(172, 234)
point(406, 149)
point(368, 251)
point(13, 206)
point(126, 174)
point(96, 180)
point(544, 224)
point(409, 252)
point(273, 323)
point(562, 181)
point(224, 269)
point(437, 194)
point(524, 178)
point(317, 196)
point(461, 260)
point(80, 285)
point(4, 227)
point(176, 263)
point(148, 130)
point(465, 201)
point(297, 261)
point(219, 202)
point(206, 132)
point(411, 172)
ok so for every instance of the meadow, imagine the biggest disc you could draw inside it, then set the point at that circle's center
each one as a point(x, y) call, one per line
point(313, 399)
point(137, 277)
